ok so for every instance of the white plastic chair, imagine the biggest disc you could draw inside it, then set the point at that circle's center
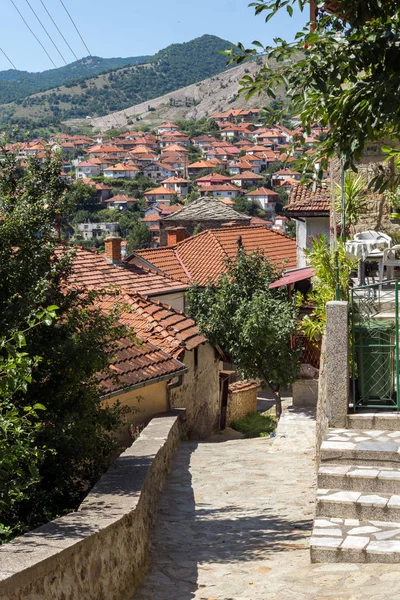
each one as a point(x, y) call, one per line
point(371, 235)
point(389, 261)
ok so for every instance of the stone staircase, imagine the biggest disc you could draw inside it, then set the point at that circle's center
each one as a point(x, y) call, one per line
point(358, 497)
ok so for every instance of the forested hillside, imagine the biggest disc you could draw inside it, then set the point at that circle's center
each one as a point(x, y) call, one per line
point(174, 67)
point(15, 85)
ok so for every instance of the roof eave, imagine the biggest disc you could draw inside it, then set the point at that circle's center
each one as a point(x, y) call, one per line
point(294, 214)
point(143, 384)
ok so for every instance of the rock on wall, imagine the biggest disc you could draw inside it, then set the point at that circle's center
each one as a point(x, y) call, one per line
point(101, 551)
point(199, 392)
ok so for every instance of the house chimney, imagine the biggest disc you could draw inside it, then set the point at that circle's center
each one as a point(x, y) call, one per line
point(175, 235)
point(113, 249)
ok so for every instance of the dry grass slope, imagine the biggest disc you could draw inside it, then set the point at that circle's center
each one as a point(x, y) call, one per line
point(218, 93)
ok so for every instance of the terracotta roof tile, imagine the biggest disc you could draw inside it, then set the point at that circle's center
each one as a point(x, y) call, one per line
point(137, 362)
point(93, 271)
point(157, 323)
point(305, 201)
point(202, 258)
point(244, 386)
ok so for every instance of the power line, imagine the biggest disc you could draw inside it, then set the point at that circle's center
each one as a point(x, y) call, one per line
point(56, 26)
point(45, 30)
point(32, 32)
point(73, 23)
point(9, 59)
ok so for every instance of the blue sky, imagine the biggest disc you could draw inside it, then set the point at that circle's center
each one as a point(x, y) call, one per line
point(129, 27)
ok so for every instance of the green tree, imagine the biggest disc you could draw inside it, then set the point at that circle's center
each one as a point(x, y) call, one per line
point(74, 437)
point(139, 237)
point(342, 72)
point(252, 323)
point(325, 281)
point(20, 456)
point(355, 203)
point(82, 196)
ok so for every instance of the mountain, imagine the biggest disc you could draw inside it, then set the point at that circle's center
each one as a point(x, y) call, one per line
point(15, 85)
point(174, 67)
point(214, 94)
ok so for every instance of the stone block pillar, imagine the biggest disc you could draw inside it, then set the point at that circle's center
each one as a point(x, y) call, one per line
point(337, 363)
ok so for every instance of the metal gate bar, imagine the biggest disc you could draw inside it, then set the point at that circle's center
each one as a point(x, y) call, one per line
point(375, 346)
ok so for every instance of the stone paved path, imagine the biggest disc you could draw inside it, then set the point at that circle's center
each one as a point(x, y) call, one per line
point(234, 522)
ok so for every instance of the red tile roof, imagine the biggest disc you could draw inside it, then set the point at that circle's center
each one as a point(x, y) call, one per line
point(155, 322)
point(159, 191)
point(203, 257)
point(304, 201)
point(136, 363)
point(247, 175)
point(262, 191)
point(93, 271)
point(244, 386)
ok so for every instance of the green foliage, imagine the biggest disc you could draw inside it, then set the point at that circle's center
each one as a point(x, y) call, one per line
point(342, 73)
point(248, 207)
point(323, 260)
point(252, 323)
point(15, 85)
point(69, 444)
point(255, 425)
point(174, 67)
point(354, 198)
point(203, 126)
point(139, 236)
point(82, 196)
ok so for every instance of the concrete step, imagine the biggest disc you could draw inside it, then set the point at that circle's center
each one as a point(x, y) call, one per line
point(361, 447)
point(352, 504)
point(337, 540)
point(374, 480)
point(380, 421)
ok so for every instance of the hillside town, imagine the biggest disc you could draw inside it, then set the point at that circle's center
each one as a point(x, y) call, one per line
point(200, 317)
point(243, 167)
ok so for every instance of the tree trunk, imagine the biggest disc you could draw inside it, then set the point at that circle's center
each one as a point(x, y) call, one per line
point(278, 404)
point(278, 399)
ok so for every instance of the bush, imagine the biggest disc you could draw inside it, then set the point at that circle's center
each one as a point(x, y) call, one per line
point(255, 425)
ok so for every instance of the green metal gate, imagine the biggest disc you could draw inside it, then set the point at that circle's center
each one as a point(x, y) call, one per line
point(375, 346)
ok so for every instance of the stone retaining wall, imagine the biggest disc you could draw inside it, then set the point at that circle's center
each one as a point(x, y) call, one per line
point(242, 400)
point(101, 551)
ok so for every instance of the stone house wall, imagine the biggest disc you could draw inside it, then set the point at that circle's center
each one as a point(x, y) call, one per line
point(101, 551)
point(145, 402)
point(199, 392)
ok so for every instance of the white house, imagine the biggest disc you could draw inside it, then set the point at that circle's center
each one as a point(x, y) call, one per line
point(178, 185)
point(121, 171)
point(159, 194)
point(265, 198)
point(157, 171)
point(87, 169)
point(311, 209)
point(225, 190)
point(90, 231)
point(167, 127)
point(120, 202)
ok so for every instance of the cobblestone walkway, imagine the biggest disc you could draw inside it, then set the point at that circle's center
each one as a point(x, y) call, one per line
point(234, 522)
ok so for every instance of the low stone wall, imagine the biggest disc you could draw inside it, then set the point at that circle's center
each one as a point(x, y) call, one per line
point(305, 393)
point(101, 551)
point(242, 400)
